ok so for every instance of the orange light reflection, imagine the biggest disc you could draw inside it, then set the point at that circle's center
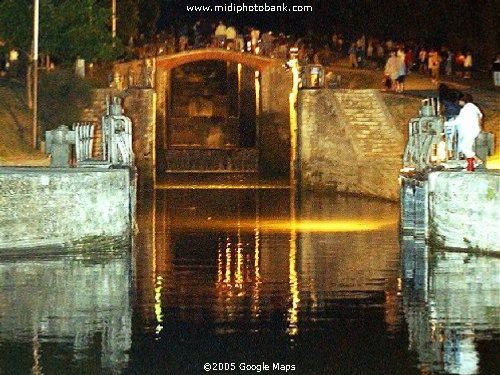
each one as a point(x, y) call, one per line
point(493, 162)
point(284, 225)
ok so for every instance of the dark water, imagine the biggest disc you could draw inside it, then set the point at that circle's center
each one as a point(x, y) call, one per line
point(238, 278)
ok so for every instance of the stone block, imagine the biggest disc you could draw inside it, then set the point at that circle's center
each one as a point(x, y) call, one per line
point(54, 206)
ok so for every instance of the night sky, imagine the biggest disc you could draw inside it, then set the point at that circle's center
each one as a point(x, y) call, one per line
point(460, 24)
point(434, 21)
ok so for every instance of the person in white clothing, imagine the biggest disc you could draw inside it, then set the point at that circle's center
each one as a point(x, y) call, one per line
point(220, 34)
point(468, 64)
point(468, 125)
point(230, 36)
point(254, 37)
point(391, 70)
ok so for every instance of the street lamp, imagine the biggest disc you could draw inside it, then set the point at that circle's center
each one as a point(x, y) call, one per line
point(36, 11)
point(113, 20)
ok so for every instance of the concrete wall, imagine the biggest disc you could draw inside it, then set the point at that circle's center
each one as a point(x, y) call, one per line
point(70, 302)
point(347, 142)
point(274, 112)
point(274, 121)
point(140, 106)
point(54, 206)
point(451, 303)
point(464, 209)
point(454, 210)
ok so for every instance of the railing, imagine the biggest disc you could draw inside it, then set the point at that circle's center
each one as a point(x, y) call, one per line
point(432, 103)
point(84, 140)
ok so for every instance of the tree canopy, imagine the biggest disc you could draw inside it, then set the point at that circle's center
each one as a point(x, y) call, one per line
point(68, 28)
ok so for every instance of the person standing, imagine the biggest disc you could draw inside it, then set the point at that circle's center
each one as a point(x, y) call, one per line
point(400, 80)
point(422, 61)
point(392, 69)
point(220, 34)
point(254, 39)
point(80, 67)
point(231, 37)
point(353, 61)
point(468, 65)
point(434, 65)
point(468, 125)
point(496, 71)
point(459, 64)
point(369, 50)
point(380, 55)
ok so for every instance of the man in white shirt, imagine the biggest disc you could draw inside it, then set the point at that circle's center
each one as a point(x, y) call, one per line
point(468, 125)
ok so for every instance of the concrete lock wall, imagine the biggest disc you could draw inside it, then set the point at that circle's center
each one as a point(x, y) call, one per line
point(140, 106)
point(348, 142)
point(274, 121)
point(55, 206)
point(464, 209)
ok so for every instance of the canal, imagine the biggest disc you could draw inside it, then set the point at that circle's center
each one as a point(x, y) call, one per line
point(249, 278)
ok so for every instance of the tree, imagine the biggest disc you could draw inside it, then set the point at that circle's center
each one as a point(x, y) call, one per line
point(128, 19)
point(63, 97)
point(68, 28)
point(149, 12)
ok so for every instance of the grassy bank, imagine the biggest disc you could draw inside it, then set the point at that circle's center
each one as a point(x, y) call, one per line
point(15, 125)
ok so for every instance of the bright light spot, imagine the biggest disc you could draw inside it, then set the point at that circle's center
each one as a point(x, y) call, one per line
point(493, 162)
point(286, 225)
point(158, 309)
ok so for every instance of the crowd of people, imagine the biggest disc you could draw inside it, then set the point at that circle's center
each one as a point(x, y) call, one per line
point(397, 59)
point(219, 35)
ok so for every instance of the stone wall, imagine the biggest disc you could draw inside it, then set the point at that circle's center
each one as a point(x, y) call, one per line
point(347, 142)
point(455, 294)
point(274, 121)
point(464, 209)
point(140, 106)
point(56, 206)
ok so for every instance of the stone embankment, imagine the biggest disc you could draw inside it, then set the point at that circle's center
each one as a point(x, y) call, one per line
point(348, 142)
point(58, 206)
point(454, 210)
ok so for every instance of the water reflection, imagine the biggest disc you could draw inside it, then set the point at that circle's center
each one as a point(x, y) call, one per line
point(65, 313)
point(235, 275)
point(452, 308)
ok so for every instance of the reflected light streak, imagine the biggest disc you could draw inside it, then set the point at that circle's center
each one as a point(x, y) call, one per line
point(36, 369)
point(158, 280)
point(285, 225)
point(220, 264)
point(227, 276)
point(239, 258)
point(239, 78)
point(257, 93)
point(256, 262)
point(257, 255)
point(256, 266)
point(158, 309)
point(239, 267)
point(293, 311)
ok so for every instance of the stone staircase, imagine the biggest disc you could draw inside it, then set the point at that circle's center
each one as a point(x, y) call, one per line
point(377, 142)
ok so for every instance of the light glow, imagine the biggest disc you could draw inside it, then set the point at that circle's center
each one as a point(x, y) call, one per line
point(493, 162)
point(285, 225)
